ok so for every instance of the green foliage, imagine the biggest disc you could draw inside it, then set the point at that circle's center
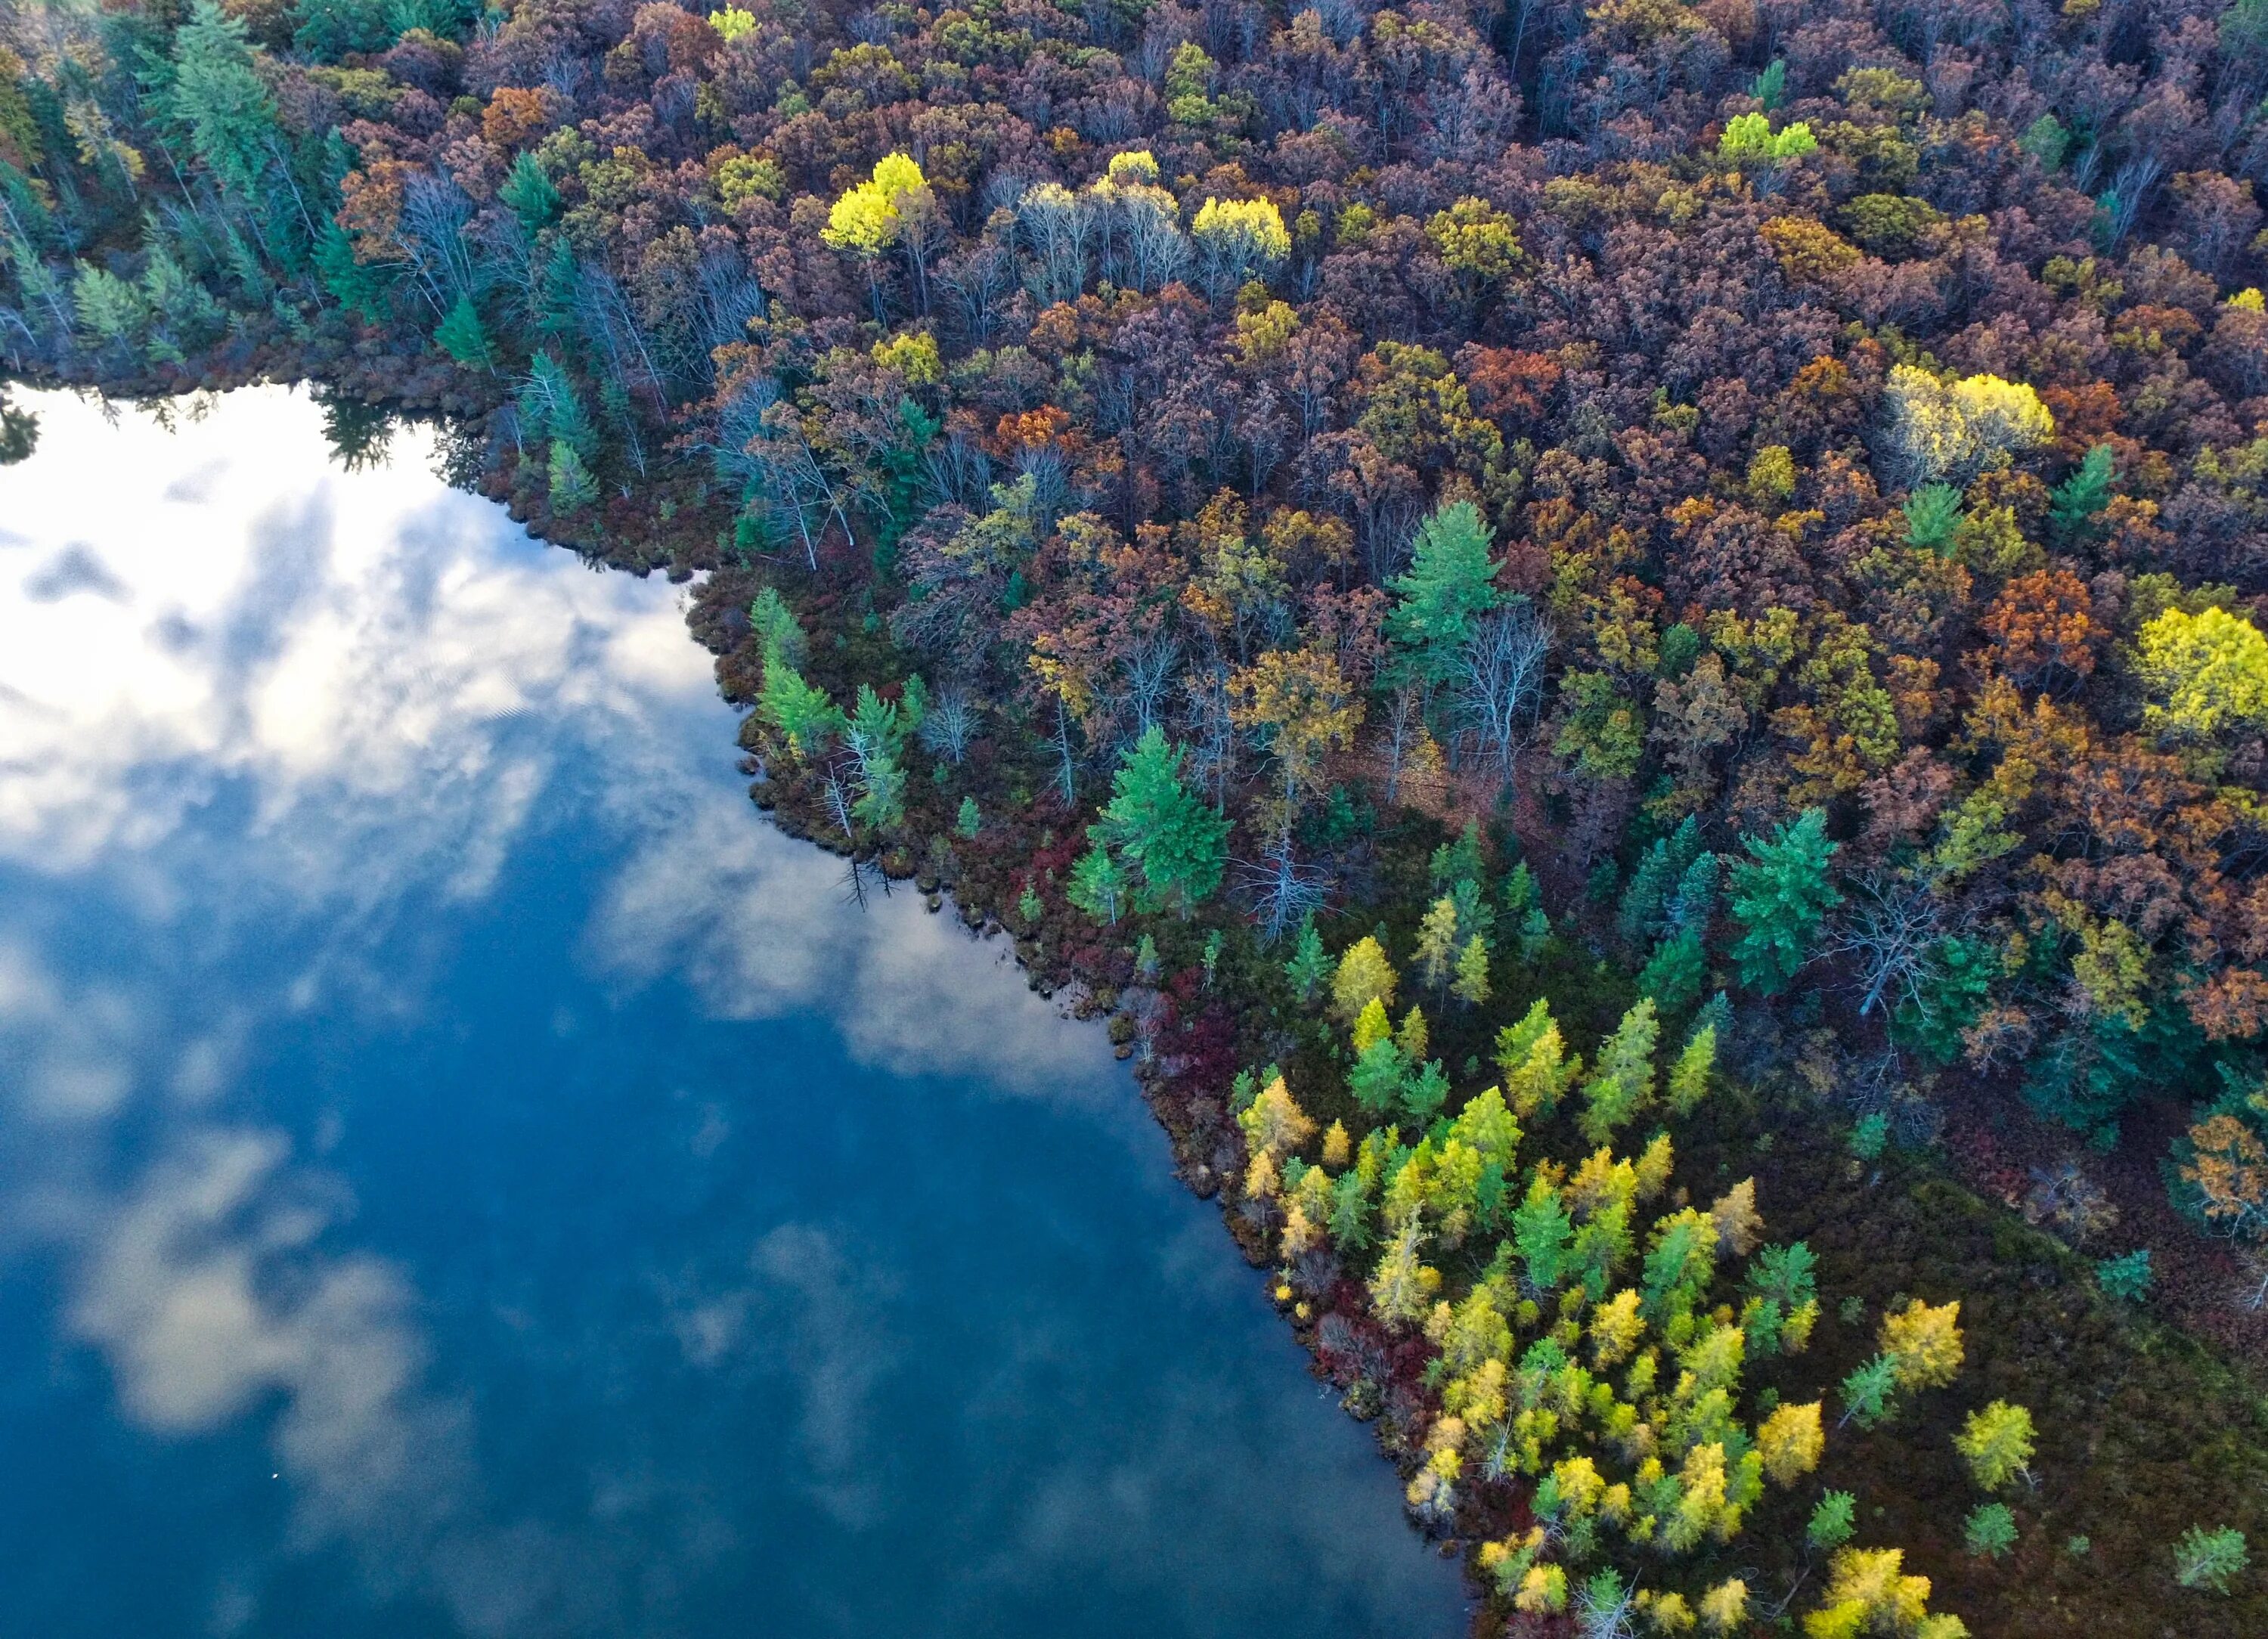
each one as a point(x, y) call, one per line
point(968, 822)
point(1380, 1072)
point(1868, 1391)
point(329, 29)
point(1990, 1530)
point(2047, 141)
point(1770, 87)
point(1780, 895)
point(1098, 885)
point(528, 191)
point(2127, 1277)
point(2208, 1559)
point(1450, 583)
point(461, 335)
point(2079, 498)
point(798, 711)
point(1870, 1133)
point(1310, 964)
point(1933, 515)
point(218, 99)
point(1673, 976)
point(1623, 1083)
point(1163, 829)
point(568, 482)
point(1832, 1521)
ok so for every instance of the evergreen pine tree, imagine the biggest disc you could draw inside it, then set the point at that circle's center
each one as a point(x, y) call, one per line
point(1162, 829)
point(1450, 583)
point(461, 336)
point(571, 486)
point(1780, 895)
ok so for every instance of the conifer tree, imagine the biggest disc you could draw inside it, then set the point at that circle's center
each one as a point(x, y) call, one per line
point(1450, 583)
point(1924, 1343)
point(1532, 1058)
point(1162, 829)
point(1472, 984)
point(1688, 1075)
point(1436, 943)
point(568, 482)
point(1623, 1083)
point(461, 336)
point(1309, 964)
point(1996, 1442)
point(1791, 1441)
point(1098, 884)
point(1364, 976)
point(1780, 895)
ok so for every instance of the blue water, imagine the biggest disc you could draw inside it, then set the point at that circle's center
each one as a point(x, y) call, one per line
point(461, 1173)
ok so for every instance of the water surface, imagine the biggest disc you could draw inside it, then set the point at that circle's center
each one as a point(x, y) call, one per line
point(461, 1173)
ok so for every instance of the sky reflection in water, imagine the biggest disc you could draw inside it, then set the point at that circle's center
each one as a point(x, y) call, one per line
point(460, 1172)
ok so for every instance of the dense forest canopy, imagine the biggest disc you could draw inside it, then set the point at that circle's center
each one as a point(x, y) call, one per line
point(1793, 474)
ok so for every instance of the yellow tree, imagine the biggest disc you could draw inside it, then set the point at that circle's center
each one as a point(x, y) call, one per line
point(1239, 239)
point(2205, 672)
point(1791, 1441)
point(1364, 976)
point(1299, 702)
point(868, 220)
point(1924, 1343)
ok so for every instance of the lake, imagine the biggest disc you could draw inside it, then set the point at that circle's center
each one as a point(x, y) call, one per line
point(462, 1172)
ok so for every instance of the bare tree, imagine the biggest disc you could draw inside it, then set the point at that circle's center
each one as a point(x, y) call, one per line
point(950, 722)
point(1500, 679)
point(1890, 934)
point(1281, 891)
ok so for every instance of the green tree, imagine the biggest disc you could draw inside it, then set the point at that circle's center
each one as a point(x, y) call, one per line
point(1472, 985)
point(2079, 498)
point(1996, 1442)
point(1868, 1390)
point(2125, 1277)
point(1449, 584)
point(1673, 976)
point(1623, 1083)
point(1309, 964)
point(968, 822)
point(1990, 1530)
point(1379, 1073)
point(1689, 1075)
point(570, 486)
point(1933, 518)
point(461, 336)
point(1098, 885)
point(1832, 1521)
point(218, 97)
point(1162, 829)
point(798, 711)
point(528, 191)
point(2208, 1559)
point(1781, 894)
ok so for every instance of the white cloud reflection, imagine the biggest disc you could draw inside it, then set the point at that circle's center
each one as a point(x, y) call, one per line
point(379, 672)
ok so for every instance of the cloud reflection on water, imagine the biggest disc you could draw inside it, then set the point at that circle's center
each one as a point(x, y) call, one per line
point(241, 693)
point(356, 662)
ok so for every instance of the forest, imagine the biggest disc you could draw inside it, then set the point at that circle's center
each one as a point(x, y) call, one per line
point(1624, 640)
